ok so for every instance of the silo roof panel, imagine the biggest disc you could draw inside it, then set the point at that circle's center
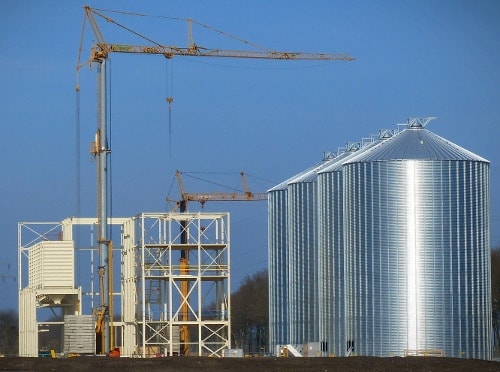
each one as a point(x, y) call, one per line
point(283, 185)
point(310, 175)
point(415, 144)
point(337, 165)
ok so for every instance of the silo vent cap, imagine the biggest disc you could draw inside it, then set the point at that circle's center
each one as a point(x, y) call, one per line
point(420, 122)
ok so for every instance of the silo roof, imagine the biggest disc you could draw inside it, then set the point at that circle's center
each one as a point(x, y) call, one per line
point(283, 185)
point(337, 165)
point(338, 161)
point(415, 143)
point(312, 174)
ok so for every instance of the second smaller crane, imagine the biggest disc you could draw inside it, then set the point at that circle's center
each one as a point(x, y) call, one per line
point(202, 198)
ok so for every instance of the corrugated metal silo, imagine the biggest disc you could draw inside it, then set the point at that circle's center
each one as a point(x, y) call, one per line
point(331, 256)
point(295, 277)
point(417, 253)
point(278, 265)
point(331, 248)
point(302, 225)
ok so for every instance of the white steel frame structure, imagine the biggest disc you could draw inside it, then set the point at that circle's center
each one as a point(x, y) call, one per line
point(160, 296)
point(175, 298)
point(50, 283)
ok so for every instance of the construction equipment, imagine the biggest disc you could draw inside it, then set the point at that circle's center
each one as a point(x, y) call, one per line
point(99, 54)
point(101, 50)
point(202, 198)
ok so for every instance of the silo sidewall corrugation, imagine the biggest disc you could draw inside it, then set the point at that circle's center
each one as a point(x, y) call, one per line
point(417, 257)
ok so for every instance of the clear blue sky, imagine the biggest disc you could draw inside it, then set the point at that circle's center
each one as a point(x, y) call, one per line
point(271, 119)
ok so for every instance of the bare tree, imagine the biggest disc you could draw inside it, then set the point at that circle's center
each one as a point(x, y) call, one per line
point(9, 333)
point(495, 293)
point(250, 313)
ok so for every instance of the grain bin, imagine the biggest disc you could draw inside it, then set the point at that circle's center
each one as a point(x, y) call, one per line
point(295, 278)
point(302, 239)
point(293, 258)
point(331, 256)
point(331, 248)
point(417, 251)
point(278, 253)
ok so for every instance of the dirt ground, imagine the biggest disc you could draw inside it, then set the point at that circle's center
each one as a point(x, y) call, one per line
point(188, 364)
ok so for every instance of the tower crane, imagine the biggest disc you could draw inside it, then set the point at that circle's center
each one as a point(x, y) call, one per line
point(204, 197)
point(100, 52)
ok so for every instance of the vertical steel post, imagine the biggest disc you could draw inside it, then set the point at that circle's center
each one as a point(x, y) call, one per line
point(102, 190)
point(184, 270)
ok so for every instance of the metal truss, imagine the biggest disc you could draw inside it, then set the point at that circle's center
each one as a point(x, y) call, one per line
point(183, 283)
point(63, 293)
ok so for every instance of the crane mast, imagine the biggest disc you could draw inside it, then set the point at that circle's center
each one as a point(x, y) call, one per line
point(100, 51)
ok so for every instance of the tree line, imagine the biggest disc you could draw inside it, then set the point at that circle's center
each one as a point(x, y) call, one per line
point(250, 314)
point(495, 294)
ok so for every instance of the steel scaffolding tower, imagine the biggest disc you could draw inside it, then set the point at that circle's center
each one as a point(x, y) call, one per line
point(183, 283)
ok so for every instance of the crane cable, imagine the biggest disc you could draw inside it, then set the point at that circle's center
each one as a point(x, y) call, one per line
point(169, 83)
point(190, 174)
point(77, 118)
point(126, 28)
point(189, 20)
point(108, 148)
point(78, 171)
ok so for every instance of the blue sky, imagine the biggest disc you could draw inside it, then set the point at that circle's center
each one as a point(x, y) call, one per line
point(269, 118)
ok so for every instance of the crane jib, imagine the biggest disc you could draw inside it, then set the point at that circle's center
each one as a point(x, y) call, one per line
point(194, 50)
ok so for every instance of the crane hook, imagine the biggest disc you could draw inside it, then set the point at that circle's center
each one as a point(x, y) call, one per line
point(169, 101)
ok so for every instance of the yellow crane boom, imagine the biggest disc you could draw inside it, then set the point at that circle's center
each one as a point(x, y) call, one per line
point(101, 50)
point(202, 198)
